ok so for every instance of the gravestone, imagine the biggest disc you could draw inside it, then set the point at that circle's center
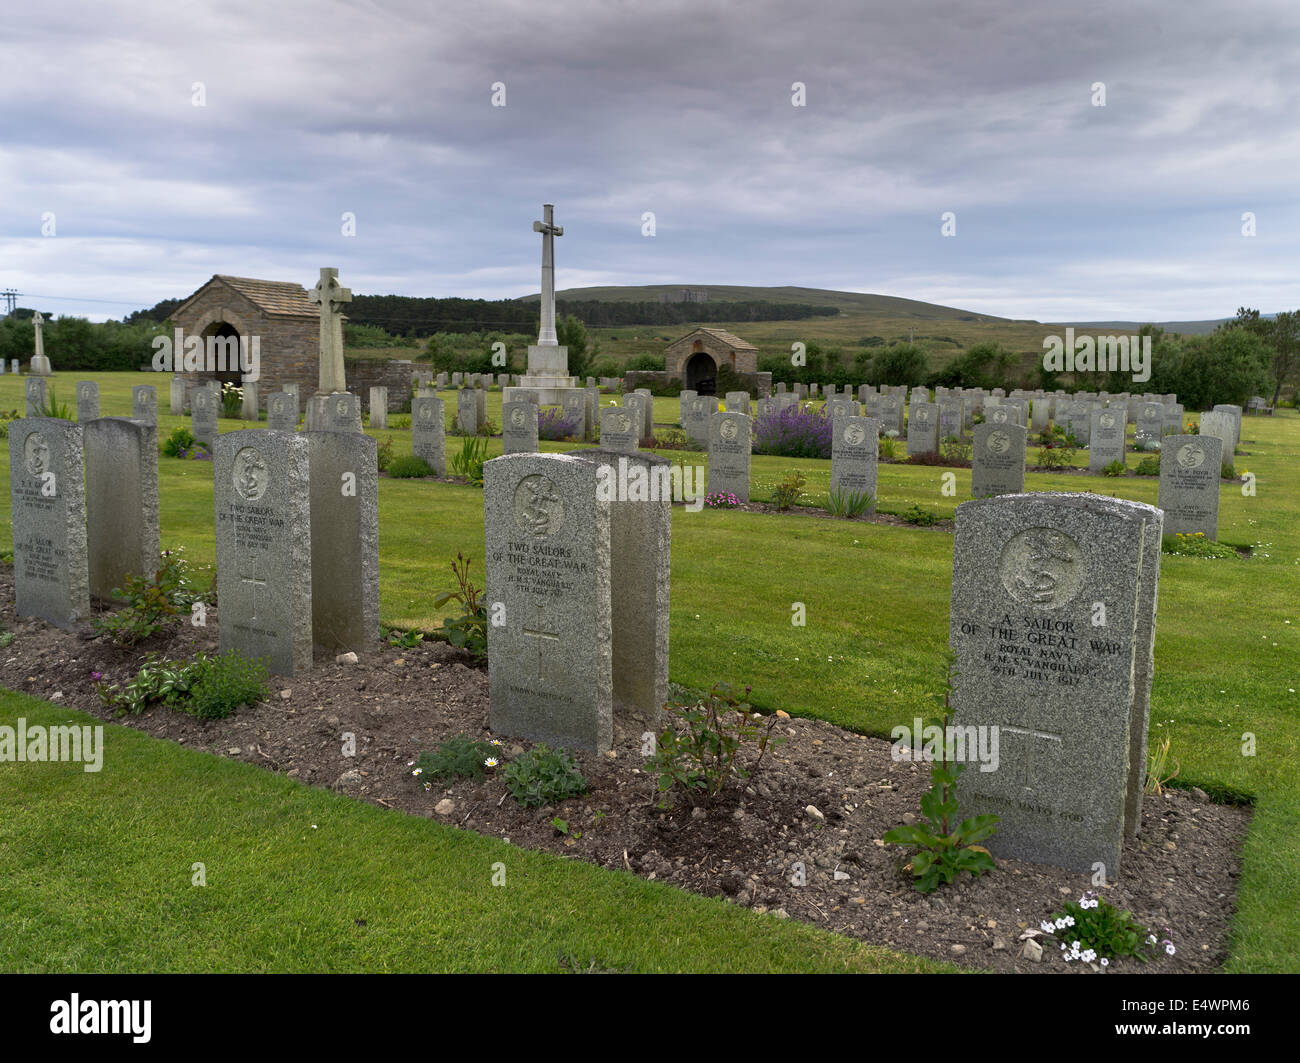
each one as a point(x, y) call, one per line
point(344, 514)
point(1038, 418)
point(428, 435)
point(1218, 425)
point(767, 408)
point(683, 399)
point(548, 564)
point(341, 412)
point(1105, 439)
point(640, 525)
point(282, 412)
point(1233, 414)
point(636, 405)
point(47, 491)
point(891, 414)
point(949, 418)
point(203, 416)
point(177, 405)
point(144, 404)
point(997, 460)
point(738, 402)
point(123, 536)
point(13, 366)
point(698, 412)
point(574, 404)
point(923, 429)
point(1190, 467)
point(839, 406)
point(1173, 419)
point(34, 388)
point(379, 407)
point(1032, 575)
point(1150, 424)
point(467, 419)
point(592, 397)
point(648, 413)
point(1077, 416)
point(264, 566)
point(855, 446)
point(87, 401)
point(620, 427)
point(519, 427)
point(250, 406)
point(729, 454)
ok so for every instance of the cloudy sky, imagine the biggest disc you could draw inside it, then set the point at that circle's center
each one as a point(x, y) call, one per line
point(384, 109)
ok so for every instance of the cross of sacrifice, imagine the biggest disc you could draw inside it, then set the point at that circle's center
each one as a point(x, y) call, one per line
point(330, 296)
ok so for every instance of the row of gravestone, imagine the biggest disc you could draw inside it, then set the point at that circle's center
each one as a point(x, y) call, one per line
point(297, 530)
point(1052, 623)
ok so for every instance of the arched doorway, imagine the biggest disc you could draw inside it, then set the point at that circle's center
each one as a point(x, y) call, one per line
point(702, 374)
point(227, 342)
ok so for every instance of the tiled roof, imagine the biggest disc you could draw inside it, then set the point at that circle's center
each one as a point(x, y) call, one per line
point(729, 339)
point(283, 298)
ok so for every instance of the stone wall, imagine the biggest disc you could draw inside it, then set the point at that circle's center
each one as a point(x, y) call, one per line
point(394, 374)
point(759, 385)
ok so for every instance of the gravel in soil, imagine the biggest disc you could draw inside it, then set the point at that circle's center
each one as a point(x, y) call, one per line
point(823, 800)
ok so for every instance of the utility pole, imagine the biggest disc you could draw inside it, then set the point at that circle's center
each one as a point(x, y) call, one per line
point(11, 299)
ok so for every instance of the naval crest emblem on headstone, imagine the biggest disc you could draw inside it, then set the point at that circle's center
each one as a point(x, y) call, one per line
point(538, 509)
point(36, 454)
point(250, 474)
point(1041, 566)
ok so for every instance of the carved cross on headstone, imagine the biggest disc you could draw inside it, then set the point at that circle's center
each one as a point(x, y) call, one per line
point(539, 633)
point(255, 582)
point(546, 334)
point(1030, 736)
point(331, 296)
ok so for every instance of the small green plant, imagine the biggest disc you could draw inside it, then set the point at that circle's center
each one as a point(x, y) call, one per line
point(6, 638)
point(1055, 455)
point(544, 776)
point(561, 825)
point(848, 504)
point(221, 684)
point(461, 757)
point(787, 492)
point(469, 462)
point(469, 630)
point(1195, 544)
point(918, 516)
point(404, 640)
point(179, 444)
point(1115, 468)
point(51, 407)
point(409, 466)
point(400, 421)
point(944, 851)
point(1158, 773)
point(1149, 466)
point(152, 603)
point(698, 754)
point(1227, 472)
point(955, 452)
point(889, 445)
point(384, 453)
point(1092, 929)
point(5, 417)
point(157, 680)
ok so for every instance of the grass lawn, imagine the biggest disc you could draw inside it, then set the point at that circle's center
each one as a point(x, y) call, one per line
point(877, 597)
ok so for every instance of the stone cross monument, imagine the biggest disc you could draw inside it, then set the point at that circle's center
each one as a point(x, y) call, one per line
point(331, 296)
point(546, 334)
point(548, 362)
point(40, 364)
